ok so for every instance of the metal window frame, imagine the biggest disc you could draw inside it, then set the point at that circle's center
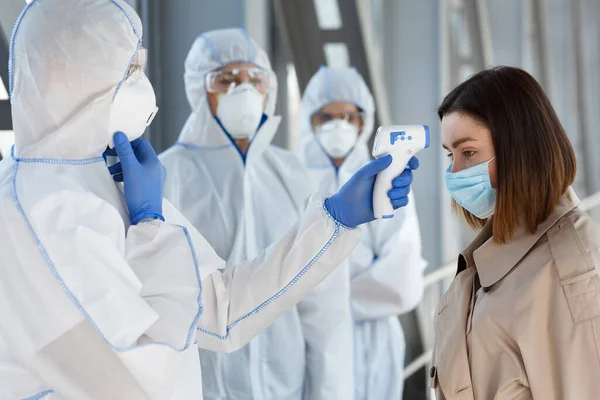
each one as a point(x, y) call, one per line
point(297, 20)
point(5, 108)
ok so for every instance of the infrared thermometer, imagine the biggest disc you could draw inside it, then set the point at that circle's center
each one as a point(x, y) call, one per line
point(402, 142)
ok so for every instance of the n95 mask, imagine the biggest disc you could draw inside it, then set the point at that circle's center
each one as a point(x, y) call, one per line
point(133, 109)
point(337, 137)
point(241, 111)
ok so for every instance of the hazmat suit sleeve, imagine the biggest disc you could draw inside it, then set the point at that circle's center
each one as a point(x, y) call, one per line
point(393, 284)
point(241, 301)
point(121, 303)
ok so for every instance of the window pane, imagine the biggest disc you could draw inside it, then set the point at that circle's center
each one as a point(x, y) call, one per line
point(3, 92)
point(7, 139)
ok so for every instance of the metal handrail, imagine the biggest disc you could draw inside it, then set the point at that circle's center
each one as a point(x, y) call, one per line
point(448, 270)
point(440, 274)
point(590, 202)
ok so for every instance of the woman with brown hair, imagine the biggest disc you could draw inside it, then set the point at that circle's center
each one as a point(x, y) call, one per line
point(522, 318)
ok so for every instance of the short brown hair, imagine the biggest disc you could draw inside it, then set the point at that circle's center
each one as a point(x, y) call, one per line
point(535, 161)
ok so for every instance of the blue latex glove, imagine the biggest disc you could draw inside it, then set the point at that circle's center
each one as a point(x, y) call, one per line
point(142, 174)
point(353, 204)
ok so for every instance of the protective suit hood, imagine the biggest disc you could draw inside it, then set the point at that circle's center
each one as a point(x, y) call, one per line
point(68, 59)
point(332, 85)
point(210, 51)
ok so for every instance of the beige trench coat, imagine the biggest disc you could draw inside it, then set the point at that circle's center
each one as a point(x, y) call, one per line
point(522, 320)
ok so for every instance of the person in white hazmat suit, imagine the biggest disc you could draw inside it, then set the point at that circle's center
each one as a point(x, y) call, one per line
point(386, 268)
point(103, 286)
point(242, 194)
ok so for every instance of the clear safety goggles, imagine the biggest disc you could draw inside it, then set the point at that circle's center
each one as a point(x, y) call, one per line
point(225, 80)
point(352, 117)
point(137, 69)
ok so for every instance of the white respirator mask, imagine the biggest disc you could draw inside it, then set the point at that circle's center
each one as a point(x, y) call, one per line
point(337, 137)
point(133, 110)
point(241, 111)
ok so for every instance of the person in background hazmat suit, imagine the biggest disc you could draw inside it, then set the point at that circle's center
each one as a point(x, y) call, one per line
point(243, 194)
point(386, 269)
point(102, 287)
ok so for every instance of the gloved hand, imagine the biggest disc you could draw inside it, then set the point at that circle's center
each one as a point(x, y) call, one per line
point(142, 174)
point(353, 204)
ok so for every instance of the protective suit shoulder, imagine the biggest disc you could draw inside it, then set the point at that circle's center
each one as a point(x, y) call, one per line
point(179, 164)
point(292, 173)
point(170, 154)
point(286, 157)
point(175, 157)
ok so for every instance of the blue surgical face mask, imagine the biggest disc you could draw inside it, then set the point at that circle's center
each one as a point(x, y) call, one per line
point(472, 190)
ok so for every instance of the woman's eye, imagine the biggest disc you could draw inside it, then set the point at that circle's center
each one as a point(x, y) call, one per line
point(468, 154)
point(450, 155)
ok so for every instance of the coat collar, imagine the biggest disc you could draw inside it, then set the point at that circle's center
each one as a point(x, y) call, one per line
point(494, 260)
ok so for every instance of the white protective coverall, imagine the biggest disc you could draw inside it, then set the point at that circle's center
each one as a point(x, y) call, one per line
point(92, 308)
point(386, 269)
point(241, 205)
